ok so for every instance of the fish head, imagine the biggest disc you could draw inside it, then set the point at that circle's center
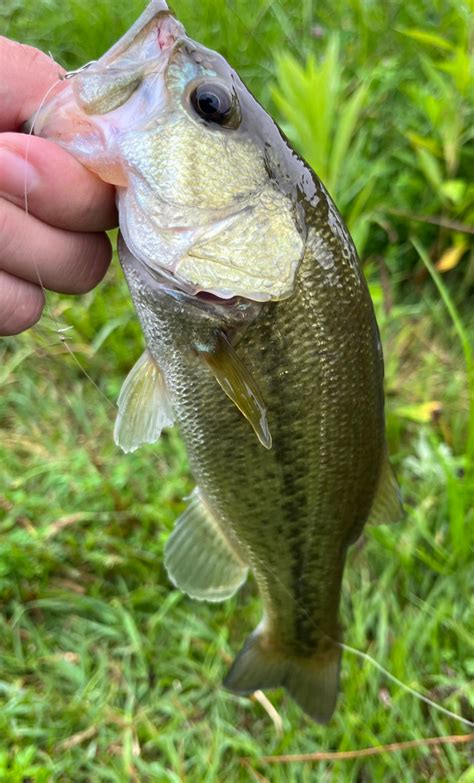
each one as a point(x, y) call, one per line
point(208, 188)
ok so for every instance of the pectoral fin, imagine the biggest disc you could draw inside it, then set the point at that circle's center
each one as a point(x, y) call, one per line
point(240, 386)
point(198, 557)
point(143, 406)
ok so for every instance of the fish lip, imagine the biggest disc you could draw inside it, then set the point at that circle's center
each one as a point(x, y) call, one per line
point(210, 298)
point(168, 33)
point(157, 10)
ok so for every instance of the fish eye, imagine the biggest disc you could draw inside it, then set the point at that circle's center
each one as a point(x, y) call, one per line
point(215, 103)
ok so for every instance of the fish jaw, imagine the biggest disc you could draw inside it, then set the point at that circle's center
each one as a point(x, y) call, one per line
point(124, 89)
point(203, 202)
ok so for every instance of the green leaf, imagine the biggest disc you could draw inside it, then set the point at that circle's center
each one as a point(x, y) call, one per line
point(454, 190)
point(421, 413)
point(347, 122)
point(431, 169)
point(422, 36)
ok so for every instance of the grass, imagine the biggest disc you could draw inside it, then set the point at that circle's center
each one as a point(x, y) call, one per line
point(106, 672)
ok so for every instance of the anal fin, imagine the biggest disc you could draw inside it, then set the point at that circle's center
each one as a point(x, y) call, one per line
point(199, 559)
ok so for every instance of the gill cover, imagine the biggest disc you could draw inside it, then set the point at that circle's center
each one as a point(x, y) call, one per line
point(207, 188)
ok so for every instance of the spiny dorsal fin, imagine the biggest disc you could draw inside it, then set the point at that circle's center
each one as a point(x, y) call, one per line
point(387, 505)
point(198, 557)
point(240, 386)
point(143, 406)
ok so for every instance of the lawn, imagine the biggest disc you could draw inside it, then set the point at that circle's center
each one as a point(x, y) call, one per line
point(107, 673)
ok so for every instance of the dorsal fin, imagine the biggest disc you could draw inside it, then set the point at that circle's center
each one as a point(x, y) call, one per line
point(386, 505)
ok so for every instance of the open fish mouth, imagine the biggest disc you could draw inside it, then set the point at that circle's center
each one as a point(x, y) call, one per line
point(170, 125)
point(123, 88)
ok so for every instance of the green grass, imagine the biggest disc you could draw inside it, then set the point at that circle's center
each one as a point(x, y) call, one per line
point(106, 672)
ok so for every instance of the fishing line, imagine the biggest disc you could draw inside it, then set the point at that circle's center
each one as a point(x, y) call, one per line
point(401, 684)
point(346, 647)
point(50, 311)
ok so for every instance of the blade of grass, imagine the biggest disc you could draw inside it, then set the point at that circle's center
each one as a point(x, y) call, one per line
point(463, 339)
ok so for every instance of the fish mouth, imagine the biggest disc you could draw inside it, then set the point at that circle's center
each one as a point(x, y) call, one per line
point(206, 296)
point(123, 88)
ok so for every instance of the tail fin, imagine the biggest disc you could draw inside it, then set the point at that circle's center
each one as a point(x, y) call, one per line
point(312, 682)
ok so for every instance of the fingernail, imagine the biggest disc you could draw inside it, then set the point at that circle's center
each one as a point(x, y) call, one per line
point(17, 176)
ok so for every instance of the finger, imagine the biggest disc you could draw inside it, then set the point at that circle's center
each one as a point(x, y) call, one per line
point(21, 304)
point(26, 76)
point(65, 261)
point(60, 191)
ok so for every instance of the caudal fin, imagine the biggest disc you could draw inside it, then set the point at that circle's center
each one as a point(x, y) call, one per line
point(312, 682)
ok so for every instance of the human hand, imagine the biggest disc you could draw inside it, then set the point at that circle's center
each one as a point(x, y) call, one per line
point(59, 243)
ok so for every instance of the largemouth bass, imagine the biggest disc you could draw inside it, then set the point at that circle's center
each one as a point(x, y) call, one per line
point(261, 341)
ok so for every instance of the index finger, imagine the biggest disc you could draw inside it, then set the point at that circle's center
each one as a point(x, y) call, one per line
point(27, 74)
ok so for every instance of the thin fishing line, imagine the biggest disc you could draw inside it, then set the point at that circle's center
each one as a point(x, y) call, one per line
point(38, 274)
point(403, 685)
point(251, 30)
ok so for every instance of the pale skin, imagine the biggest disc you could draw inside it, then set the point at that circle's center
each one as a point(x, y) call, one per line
point(60, 242)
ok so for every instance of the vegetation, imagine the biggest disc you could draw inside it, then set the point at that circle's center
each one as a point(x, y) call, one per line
point(106, 672)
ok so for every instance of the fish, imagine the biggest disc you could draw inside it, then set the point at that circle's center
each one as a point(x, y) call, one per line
point(261, 342)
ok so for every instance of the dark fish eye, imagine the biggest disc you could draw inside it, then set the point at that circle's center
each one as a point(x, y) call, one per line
point(216, 103)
